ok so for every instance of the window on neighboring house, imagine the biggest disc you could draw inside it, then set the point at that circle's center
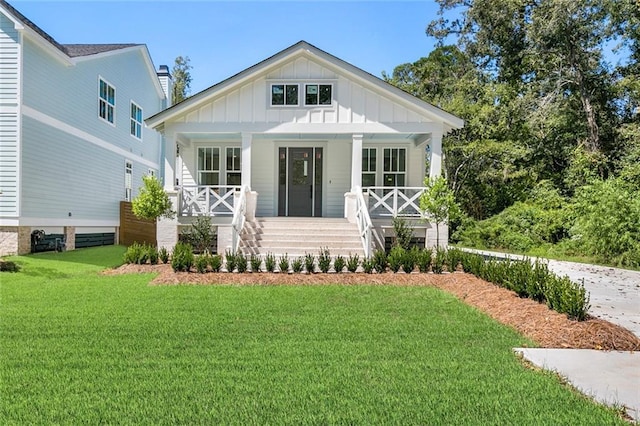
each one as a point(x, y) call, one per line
point(369, 158)
point(284, 94)
point(128, 176)
point(233, 166)
point(317, 94)
point(107, 102)
point(151, 172)
point(394, 166)
point(208, 166)
point(136, 121)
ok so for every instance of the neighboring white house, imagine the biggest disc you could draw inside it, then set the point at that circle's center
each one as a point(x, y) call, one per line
point(73, 143)
point(301, 133)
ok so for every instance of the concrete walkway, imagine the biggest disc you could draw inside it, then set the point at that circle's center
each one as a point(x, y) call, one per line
point(612, 378)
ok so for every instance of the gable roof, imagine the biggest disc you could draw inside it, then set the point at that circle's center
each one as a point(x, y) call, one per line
point(300, 48)
point(70, 50)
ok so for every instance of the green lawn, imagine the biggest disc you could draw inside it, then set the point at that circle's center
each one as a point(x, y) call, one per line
point(78, 347)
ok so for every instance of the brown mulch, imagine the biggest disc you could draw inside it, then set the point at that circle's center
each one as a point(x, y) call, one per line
point(536, 321)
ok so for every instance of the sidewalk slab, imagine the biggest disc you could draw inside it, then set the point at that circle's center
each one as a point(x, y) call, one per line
point(612, 378)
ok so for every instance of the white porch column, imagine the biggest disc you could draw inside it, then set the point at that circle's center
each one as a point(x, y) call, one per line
point(356, 162)
point(245, 179)
point(435, 162)
point(169, 158)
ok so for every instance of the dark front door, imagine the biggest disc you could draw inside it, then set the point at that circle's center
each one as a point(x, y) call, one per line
point(300, 181)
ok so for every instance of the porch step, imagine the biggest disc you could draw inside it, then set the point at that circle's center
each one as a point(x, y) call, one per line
point(298, 236)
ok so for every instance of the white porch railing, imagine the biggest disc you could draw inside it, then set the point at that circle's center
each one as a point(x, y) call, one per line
point(388, 201)
point(365, 226)
point(239, 215)
point(217, 200)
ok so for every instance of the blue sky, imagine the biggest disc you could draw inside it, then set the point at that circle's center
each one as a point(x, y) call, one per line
point(224, 37)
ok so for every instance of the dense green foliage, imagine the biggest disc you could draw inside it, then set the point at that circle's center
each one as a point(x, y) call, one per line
point(181, 76)
point(545, 99)
point(152, 201)
point(78, 347)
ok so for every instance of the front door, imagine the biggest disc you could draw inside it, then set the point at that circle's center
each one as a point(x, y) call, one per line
point(301, 194)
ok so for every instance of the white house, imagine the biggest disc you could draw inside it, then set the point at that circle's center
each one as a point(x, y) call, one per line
point(73, 143)
point(300, 134)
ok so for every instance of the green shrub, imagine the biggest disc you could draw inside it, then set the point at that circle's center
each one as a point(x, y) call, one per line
point(424, 260)
point(153, 255)
point(241, 262)
point(395, 258)
point(403, 232)
point(231, 261)
point(9, 266)
point(182, 258)
point(409, 259)
point(439, 259)
point(339, 263)
point(367, 266)
point(215, 262)
point(163, 254)
point(283, 264)
point(296, 265)
point(309, 263)
point(353, 261)
point(202, 262)
point(379, 261)
point(270, 262)
point(200, 234)
point(132, 254)
point(255, 262)
point(454, 258)
point(324, 260)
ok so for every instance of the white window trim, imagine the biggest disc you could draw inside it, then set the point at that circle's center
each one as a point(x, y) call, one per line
point(115, 91)
point(226, 171)
point(151, 172)
point(285, 105)
point(220, 170)
point(318, 105)
point(141, 123)
point(128, 181)
point(377, 170)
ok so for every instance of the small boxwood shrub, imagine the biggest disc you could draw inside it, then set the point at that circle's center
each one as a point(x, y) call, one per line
point(297, 265)
point(379, 261)
point(241, 262)
point(202, 262)
point(353, 261)
point(256, 262)
point(339, 263)
point(324, 260)
point(215, 262)
point(163, 255)
point(270, 262)
point(182, 258)
point(368, 266)
point(409, 259)
point(283, 263)
point(424, 260)
point(395, 258)
point(153, 255)
point(310, 263)
point(439, 260)
point(231, 260)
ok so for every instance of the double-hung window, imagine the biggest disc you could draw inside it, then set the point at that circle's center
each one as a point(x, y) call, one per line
point(136, 121)
point(208, 166)
point(128, 177)
point(284, 94)
point(234, 167)
point(317, 94)
point(369, 159)
point(394, 166)
point(106, 101)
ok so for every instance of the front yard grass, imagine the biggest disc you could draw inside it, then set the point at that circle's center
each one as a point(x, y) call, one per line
point(79, 347)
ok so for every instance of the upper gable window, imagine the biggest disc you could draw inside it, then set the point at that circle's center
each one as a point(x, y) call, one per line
point(136, 121)
point(318, 94)
point(107, 101)
point(284, 94)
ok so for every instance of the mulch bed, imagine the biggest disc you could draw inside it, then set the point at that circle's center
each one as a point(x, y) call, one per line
point(536, 321)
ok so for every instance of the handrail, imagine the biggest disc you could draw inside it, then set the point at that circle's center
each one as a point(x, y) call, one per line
point(395, 201)
point(239, 215)
point(207, 200)
point(365, 226)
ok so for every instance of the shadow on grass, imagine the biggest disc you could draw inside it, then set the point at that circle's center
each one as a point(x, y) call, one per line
point(56, 264)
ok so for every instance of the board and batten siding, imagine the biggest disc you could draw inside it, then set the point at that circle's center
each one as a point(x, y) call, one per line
point(9, 117)
point(63, 174)
point(353, 103)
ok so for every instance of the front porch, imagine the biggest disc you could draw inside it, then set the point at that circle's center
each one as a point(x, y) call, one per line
point(368, 214)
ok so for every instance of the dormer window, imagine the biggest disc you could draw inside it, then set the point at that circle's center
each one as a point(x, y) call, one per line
point(317, 94)
point(284, 94)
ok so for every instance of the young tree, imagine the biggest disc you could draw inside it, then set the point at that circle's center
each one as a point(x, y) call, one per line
point(439, 203)
point(152, 202)
point(181, 79)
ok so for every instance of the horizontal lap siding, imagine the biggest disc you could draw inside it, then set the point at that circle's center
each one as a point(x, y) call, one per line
point(62, 174)
point(9, 144)
point(70, 94)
